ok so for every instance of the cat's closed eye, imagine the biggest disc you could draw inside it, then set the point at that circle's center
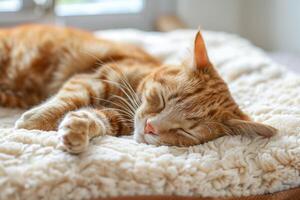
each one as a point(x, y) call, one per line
point(184, 132)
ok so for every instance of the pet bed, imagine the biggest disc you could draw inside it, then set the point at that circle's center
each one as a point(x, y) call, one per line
point(32, 166)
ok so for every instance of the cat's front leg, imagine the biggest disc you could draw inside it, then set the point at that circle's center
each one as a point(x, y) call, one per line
point(43, 117)
point(78, 127)
point(76, 93)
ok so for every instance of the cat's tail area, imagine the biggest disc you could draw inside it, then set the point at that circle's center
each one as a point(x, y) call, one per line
point(13, 99)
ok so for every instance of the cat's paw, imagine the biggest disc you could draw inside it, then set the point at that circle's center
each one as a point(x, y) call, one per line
point(74, 130)
point(33, 119)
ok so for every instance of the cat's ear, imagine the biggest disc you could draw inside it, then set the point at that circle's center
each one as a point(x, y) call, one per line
point(238, 127)
point(201, 60)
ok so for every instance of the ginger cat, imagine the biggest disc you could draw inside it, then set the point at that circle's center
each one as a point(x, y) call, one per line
point(95, 87)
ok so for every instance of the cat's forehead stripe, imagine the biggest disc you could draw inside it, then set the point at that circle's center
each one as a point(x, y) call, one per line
point(185, 96)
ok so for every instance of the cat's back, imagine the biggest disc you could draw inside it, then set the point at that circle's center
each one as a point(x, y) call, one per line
point(26, 46)
point(38, 46)
point(37, 35)
point(38, 59)
point(30, 54)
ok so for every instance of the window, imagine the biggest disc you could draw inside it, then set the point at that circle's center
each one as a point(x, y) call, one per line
point(87, 14)
point(10, 5)
point(103, 14)
point(94, 7)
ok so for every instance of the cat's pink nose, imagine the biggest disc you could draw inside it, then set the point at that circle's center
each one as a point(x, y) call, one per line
point(149, 129)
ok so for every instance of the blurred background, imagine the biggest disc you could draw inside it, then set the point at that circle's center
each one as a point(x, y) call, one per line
point(273, 25)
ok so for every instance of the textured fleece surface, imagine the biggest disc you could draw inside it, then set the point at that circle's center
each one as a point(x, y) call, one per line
point(32, 166)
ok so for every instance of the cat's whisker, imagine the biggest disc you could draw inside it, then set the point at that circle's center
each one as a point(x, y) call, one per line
point(125, 120)
point(131, 114)
point(125, 102)
point(130, 90)
point(129, 94)
point(132, 95)
point(113, 103)
point(121, 87)
point(93, 56)
point(127, 86)
point(121, 112)
point(125, 110)
point(130, 99)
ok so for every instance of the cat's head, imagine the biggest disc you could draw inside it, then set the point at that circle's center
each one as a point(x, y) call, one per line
point(190, 104)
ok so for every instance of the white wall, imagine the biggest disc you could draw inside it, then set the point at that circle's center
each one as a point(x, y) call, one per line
point(274, 24)
point(210, 14)
point(271, 24)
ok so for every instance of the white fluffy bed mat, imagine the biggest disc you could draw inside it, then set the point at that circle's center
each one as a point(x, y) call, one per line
point(33, 167)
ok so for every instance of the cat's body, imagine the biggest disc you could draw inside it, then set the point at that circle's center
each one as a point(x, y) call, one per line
point(36, 60)
point(97, 87)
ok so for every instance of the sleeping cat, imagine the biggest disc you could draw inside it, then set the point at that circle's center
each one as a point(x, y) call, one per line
point(88, 87)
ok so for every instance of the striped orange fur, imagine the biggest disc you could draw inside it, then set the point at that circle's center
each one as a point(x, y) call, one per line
point(88, 87)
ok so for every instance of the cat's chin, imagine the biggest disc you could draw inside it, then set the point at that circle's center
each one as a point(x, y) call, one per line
point(139, 137)
point(138, 134)
point(151, 139)
point(146, 138)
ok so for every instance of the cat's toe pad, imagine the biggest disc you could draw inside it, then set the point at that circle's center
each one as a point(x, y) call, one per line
point(74, 142)
point(74, 132)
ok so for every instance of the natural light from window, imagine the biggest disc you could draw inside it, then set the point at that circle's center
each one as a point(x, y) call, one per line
point(10, 5)
point(95, 7)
